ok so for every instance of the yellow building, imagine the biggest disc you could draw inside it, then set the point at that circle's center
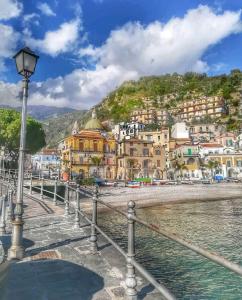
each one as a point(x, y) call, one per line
point(90, 152)
point(138, 158)
point(158, 137)
point(229, 163)
point(184, 161)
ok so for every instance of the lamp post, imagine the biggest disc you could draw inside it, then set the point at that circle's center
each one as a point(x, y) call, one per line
point(26, 62)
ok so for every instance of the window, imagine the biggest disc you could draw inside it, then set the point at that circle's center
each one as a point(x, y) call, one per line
point(239, 163)
point(158, 137)
point(145, 152)
point(131, 152)
point(81, 146)
point(131, 143)
point(145, 145)
point(157, 152)
point(158, 163)
point(228, 163)
point(165, 136)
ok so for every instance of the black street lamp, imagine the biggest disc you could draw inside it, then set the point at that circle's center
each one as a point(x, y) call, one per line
point(26, 62)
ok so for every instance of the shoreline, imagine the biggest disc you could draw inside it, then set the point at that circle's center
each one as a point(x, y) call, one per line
point(166, 195)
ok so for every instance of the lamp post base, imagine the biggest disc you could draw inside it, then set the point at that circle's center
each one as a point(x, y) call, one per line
point(17, 250)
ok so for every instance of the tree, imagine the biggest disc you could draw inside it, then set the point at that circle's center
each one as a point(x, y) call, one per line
point(10, 124)
point(179, 167)
point(212, 165)
point(131, 163)
point(96, 160)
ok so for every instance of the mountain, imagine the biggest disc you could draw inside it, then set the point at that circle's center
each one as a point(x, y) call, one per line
point(166, 91)
point(58, 128)
point(43, 112)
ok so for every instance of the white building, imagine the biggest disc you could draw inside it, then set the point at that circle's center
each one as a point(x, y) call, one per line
point(180, 131)
point(127, 130)
point(45, 160)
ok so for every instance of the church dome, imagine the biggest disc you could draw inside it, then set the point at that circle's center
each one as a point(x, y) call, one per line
point(93, 123)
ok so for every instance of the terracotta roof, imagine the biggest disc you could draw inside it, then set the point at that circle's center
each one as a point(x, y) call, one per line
point(211, 145)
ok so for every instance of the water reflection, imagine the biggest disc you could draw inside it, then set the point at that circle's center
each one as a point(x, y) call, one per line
point(214, 225)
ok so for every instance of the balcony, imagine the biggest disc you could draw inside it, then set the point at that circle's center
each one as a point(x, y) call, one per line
point(190, 154)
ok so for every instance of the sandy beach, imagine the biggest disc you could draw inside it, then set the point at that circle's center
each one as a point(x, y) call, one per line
point(158, 195)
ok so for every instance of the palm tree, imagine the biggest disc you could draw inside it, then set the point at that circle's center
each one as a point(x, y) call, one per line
point(131, 163)
point(96, 160)
point(179, 167)
point(212, 165)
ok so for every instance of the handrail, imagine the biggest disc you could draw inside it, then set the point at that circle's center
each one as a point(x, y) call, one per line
point(132, 219)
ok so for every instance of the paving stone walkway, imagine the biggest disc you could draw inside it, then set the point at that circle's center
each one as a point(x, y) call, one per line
point(58, 263)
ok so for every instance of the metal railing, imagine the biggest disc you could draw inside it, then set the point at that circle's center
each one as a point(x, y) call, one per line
point(7, 191)
point(130, 215)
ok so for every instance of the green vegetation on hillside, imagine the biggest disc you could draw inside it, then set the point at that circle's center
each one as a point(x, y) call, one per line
point(58, 128)
point(167, 90)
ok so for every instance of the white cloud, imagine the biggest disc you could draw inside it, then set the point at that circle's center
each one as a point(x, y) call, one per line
point(10, 9)
point(176, 46)
point(10, 93)
point(45, 9)
point(55, 42)
point(132, 51)
point(8, 43)
point(30, 19)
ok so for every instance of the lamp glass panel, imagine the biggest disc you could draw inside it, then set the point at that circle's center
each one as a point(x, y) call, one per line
point(19, 62)
point(29, 62)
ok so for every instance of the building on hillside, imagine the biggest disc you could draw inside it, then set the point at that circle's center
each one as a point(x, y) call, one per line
point(140, 159)
point(197, 109)
point(127, 130)
point(46, 160)
point(180, 131)
point(205, 133)
point(90, 152)
point(239, 142)
point(185, 161)
point(227, 139)
point(210, 148)
point(158, 137)
point(230, 164)
point(150, 116)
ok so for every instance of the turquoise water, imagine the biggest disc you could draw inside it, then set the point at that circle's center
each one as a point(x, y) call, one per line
point(214, 225)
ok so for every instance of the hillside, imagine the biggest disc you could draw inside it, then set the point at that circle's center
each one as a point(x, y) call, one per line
point(165, 92)
point(43, 112)
point(57, 128)
point(162, 92)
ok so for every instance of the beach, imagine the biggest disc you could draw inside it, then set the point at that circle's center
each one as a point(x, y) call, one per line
point(147, 196)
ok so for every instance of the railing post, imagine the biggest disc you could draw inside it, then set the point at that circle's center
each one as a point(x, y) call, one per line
point(67, 208)
point(131, 281)
point(55, 192)
point(77, 208)
point(42, 188)
point(3, 221)
point(93, 238)
point(8, 175)
point(31, 184)
point(10, 204)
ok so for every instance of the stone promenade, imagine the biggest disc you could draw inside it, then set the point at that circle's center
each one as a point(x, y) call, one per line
point(58, 263)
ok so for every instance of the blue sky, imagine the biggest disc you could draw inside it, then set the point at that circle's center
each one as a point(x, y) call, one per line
point(88, 47)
